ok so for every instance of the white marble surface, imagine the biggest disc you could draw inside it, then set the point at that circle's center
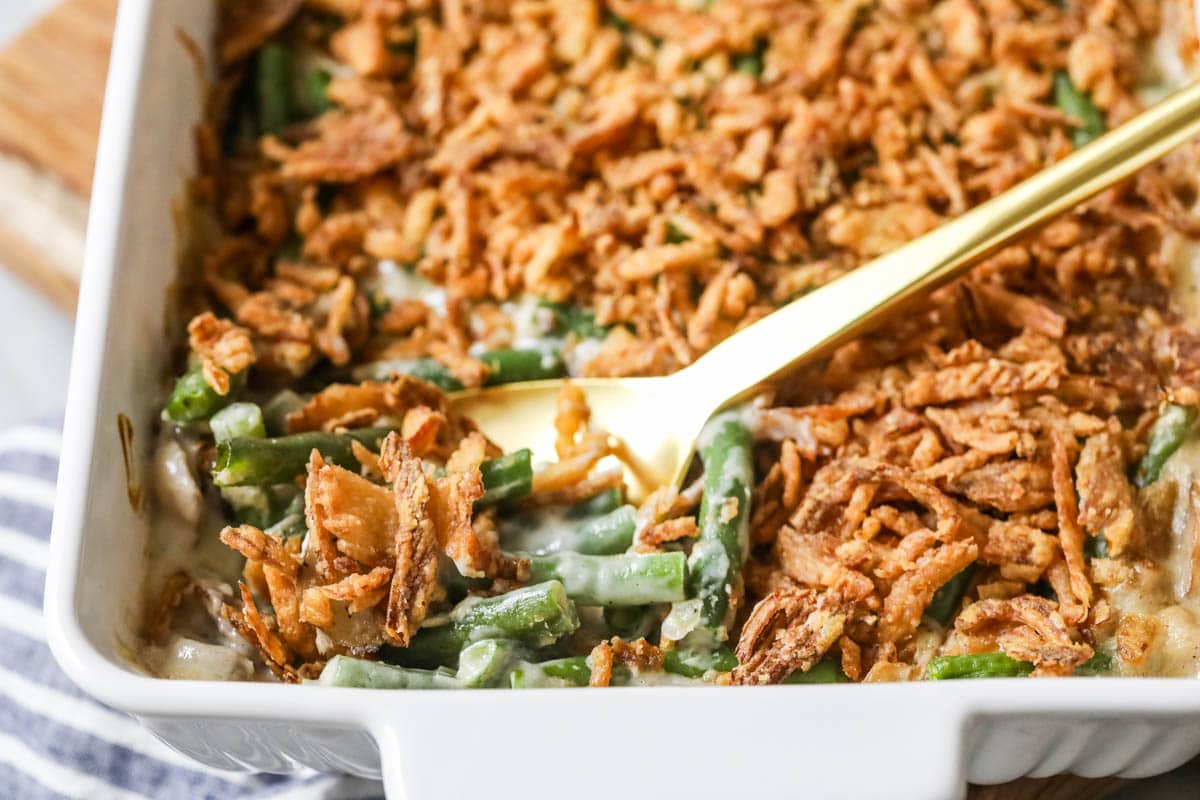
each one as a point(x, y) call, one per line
point(35, 349)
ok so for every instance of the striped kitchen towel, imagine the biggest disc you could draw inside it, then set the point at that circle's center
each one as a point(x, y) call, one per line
point(55, 741)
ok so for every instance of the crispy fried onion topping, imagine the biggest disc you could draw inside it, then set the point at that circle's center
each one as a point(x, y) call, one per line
point(350, 145)
point(225, 349)
point(788, 630)
point(638, 655)
point(994, 423)
point(418, 409)
point(281, 569)
point(1026, 628)
point(416, 546)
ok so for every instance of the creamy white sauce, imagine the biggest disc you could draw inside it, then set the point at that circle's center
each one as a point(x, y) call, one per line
point(182, 658)
point(531, 330)
point(548, 347)
point(1165, 70)
point(639, 677)
point(530, 323)
point(397, 282)
point(683, 619)
point(1162, 592)
point(1181, 470)
point(174, 484)
point(582, 353)
point(592, 578)
point(544, 532)
point(592, 626)
point(1163, 67)
point(746, 414)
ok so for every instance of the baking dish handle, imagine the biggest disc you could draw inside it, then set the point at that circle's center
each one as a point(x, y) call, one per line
point(857, 742)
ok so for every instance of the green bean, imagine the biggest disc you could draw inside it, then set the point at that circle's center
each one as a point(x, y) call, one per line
point(566, 318)
point(505, 366)
point(1169, 432)
point(262, 462)
point(628, 579)
point(715, 564)
point(263, 506)
point(698, 663)
point(316, 91)
point(192, 399)
point(1080, 106)
point(378, 303)
point(752, 63)
point(1096, 546)
point(456, 584)
point(432, 646)
point(294, 496)
point(517, 366)
point(1100, 663)
point(507, 477)
point(577, 671)
point(486, 664)
point(562, 672)
point(603, 503)
point(976, 665)
point(675, 235)
point(426, 369)
point(289, 525)
point(631, 622)
point(536, 616)
point(258, 462)
point(620, 23)
point(431, 371)
point(240, 133)
point(545, 533)
point(827, 670)
point(276, 410)
point(622, 675)
point(360, 673)
point(250, 505)
point(608, 534)
point(292, 248)
point(273, 87)
point(946, 599)
point(238, 419)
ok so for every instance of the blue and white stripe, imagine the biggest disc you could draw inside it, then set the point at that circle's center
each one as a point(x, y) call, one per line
point(55, 741)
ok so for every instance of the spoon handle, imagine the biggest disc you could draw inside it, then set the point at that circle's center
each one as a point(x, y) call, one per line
point(820, 321)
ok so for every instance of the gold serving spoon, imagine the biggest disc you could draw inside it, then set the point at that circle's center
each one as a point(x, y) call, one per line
point(660, 419)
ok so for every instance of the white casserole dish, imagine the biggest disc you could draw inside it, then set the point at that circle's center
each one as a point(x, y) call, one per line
point(899, 740)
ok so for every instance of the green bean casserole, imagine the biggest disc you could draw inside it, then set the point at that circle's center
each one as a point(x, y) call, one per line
point(400, 199)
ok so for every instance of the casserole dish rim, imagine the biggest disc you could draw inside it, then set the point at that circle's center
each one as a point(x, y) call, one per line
point(951, 708)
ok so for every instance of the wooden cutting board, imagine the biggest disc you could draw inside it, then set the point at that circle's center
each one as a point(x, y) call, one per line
point(51, 92)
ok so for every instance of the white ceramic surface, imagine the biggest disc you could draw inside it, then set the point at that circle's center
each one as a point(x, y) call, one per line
point(918, 740)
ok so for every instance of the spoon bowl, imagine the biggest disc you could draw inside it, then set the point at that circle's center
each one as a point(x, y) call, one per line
point(659, 417)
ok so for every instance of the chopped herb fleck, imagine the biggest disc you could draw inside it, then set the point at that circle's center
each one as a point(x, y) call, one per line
point(1080, 106)
point(676, 236)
